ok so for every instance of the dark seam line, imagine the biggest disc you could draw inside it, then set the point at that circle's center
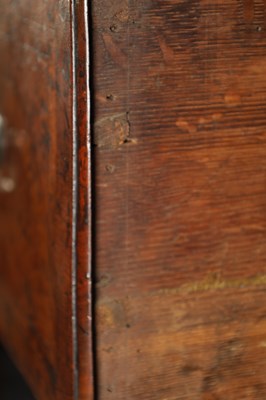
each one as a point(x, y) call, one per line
point(91, 238)
point(93, 200)
point(74, 199)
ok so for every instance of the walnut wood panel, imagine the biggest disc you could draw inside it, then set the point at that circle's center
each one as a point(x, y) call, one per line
point(180, 168)
point(44, 198)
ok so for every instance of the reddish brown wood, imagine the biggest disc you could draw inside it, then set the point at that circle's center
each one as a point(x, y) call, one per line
point(45, 221)
point(83, 188)
point(180, 198)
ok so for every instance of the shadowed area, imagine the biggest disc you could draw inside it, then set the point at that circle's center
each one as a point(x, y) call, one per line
point(12, 385)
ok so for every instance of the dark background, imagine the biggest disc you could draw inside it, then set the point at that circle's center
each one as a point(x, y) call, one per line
point(12, 385)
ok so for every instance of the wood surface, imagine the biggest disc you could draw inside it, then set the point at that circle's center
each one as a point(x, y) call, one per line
point(45, 313)
point(180, 161)
point(178, 169)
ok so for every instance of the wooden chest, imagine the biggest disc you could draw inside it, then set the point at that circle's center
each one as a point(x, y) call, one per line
point(133, 197)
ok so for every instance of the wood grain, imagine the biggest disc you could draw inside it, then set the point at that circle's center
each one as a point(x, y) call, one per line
point(180, 207)
point(179, 197)
point(45, 218)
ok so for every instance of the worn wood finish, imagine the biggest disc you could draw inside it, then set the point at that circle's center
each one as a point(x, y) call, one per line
point(180, 162)
point(179, 189)
point(45, 218)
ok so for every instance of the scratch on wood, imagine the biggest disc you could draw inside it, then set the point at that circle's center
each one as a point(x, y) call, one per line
point(167, 51)
point(216, 283)
point(208, 284)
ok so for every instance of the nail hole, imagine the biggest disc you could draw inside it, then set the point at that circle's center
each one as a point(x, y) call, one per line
point(110, 168)
point(114, 28)
point(110, 97)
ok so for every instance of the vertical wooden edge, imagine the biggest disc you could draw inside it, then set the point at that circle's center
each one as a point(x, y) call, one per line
point(81, 243)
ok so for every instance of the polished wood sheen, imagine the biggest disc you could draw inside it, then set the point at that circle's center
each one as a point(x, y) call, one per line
point(172, 94)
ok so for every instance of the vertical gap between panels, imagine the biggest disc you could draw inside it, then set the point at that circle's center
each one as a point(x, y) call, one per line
point(76, 36)
point(74, 197)
point(93, 194)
